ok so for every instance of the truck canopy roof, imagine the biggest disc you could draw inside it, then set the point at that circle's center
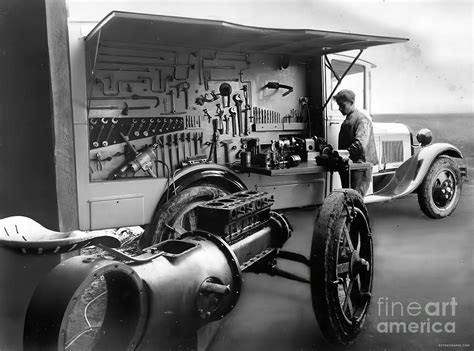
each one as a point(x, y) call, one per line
point(225, 36)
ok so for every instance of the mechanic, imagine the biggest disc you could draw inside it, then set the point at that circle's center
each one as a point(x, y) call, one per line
point(357, 137)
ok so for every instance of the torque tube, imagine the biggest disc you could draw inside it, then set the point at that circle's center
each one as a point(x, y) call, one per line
point(188, 290)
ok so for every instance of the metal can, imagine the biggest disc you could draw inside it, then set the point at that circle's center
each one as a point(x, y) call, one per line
point(245, 159)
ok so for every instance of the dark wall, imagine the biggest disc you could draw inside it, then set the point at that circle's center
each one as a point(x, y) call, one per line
point(27, 170)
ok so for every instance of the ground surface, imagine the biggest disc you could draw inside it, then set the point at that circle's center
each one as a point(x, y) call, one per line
point(417, 260)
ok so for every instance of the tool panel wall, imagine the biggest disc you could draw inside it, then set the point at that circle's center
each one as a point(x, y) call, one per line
point(152, 109)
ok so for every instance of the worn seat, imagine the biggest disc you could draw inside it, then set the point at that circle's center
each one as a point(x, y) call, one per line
point(28, 236)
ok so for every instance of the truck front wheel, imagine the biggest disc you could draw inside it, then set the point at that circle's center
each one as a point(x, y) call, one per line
point(341, 266)
point(178, 215)
point(440, 191)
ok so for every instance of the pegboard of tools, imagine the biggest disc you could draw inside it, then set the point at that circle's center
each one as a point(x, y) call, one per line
point(109, 131)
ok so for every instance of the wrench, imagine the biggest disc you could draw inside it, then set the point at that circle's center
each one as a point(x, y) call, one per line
point(166, 124)
point(188, 139)
point(238, 104)
point(169, 143)
point(112, 126)
point(134, 121)
point(157, 127)
point(232, 117)
point(195, 139)
point(176, 144)
point(247, 109)
point(161, 142)
point(96, 142)
point(183, 143)
point(151, 122)
point(185, 87)
point(172, 102)
point(226, 120)
point(219, 113)
point(137, 132)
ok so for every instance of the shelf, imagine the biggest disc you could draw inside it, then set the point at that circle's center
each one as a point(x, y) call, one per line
point(303, 168)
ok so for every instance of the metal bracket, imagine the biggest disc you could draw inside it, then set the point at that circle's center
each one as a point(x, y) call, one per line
point(339, 79)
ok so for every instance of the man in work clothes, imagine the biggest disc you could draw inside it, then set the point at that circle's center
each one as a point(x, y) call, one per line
point(357, 137)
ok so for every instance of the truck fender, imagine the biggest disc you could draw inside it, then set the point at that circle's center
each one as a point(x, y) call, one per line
point(208, 173)
point(411, 173)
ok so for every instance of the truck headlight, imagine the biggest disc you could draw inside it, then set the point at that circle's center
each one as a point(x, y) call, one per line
point(424, 136)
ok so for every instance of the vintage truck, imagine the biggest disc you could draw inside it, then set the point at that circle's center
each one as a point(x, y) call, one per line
point(154, 118)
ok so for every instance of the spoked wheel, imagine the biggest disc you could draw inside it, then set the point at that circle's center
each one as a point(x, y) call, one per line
point(341, 266)
point(178, 215)
point(440, 191)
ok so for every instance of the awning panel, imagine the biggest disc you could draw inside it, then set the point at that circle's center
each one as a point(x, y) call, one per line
point(218, 35)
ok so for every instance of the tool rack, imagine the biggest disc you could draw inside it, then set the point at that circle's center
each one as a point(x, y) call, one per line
point(190, 102)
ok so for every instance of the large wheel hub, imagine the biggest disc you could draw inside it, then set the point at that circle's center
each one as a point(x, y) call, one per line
point(443, 190)
point(357, 264)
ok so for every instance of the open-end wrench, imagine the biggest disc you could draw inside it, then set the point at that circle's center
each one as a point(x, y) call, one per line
point(157, 128)
point(169, 143)
point(165, 126)
point(161, 143)
point(195, 140)
point(232, 117)
point(238, 104)
point(247, 109)
point(188, 139)
point(184, 86)
point(176, 144)
point(140, 126)
point(200, 140)
point(151, 122)
point(96, 142)
point(219, 114)
point(183, 144)
point(112, 126)
point(93, 122)
point(132, 125)
point(172, 102)
point(226, 120)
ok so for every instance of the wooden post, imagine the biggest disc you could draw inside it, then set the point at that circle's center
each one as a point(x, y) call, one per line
point(37, 177)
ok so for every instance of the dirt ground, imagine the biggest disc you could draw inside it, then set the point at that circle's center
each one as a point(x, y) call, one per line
point(417, 260)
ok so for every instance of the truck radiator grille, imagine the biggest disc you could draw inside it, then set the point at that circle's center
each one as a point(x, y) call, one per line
point(392, 151)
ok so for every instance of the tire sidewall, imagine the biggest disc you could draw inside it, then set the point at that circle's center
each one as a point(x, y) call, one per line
point(329, 223)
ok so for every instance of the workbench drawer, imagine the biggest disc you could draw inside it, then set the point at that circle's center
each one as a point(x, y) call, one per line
point(298, 194)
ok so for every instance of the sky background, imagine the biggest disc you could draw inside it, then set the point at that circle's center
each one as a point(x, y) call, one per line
point(431, 73)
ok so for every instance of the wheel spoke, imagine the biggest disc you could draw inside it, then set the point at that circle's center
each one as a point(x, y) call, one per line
point(348, 238)
point(347, 305)
point(358, 284)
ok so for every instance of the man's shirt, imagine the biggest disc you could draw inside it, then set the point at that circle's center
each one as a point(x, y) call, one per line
point(357, 136)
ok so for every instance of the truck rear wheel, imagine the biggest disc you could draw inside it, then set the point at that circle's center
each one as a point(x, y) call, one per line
point(440, 191)
point(177, 215)
point(341, 266)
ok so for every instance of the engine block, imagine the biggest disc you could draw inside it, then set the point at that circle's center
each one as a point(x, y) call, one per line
point(235, 216)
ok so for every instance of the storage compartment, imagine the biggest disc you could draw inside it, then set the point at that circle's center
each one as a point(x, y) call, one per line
point(296, 194)
point(117, 212)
